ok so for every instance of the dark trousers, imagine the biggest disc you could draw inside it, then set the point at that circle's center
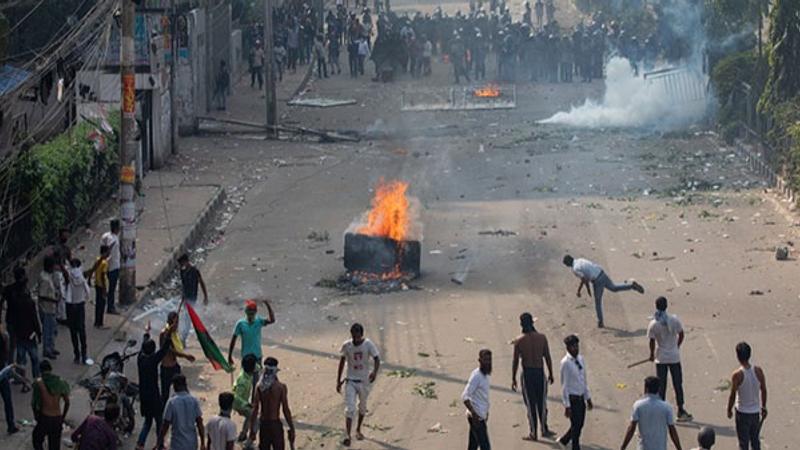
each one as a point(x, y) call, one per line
point(478, 435)
point(292, 59)
point(677, 381)
point(748, 428)
point(322, 68)
point(8, 404)
point(113, 278)
point(146, 426)
point(50, 428)
point(27, 348)
point(76, 320)
point(99, 306)
point(270, 435)
point(533, 395)
point(166, 380)
point(577, 416)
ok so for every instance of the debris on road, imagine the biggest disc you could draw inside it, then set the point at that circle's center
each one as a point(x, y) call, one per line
point(782, 253)
point(500, 232)
point(402, 373)
point(426, 389)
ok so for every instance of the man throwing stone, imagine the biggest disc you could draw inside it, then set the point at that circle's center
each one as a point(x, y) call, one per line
point(356, 353)
point(588, 271)
point(532, 348)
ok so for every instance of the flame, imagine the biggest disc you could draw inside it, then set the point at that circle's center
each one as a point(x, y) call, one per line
point(389, 216)
point(490, 90)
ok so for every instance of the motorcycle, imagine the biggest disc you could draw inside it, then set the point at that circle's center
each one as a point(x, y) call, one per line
point(110, 385)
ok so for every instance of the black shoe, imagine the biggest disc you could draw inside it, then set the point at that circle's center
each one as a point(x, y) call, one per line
point(600, 325)
point(76, 360)
point(56, 352)
point(112, 311)
point(637, 287)
point(13, 430)
point(547, 433)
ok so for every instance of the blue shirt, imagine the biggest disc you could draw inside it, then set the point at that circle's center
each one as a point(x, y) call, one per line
point(182, 411)
point(251, 335)
point(654, 417)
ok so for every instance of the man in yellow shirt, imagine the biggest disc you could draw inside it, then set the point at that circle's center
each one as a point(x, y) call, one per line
point(100, 270)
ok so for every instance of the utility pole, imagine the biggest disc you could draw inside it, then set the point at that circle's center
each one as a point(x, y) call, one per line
point(269, 68)
point(127, 157)
point(173, 73)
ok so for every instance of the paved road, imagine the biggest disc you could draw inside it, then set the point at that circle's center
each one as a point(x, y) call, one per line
point(617, 197)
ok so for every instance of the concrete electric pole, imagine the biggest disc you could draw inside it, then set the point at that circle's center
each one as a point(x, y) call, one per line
point(269, 68)
point(127, 156)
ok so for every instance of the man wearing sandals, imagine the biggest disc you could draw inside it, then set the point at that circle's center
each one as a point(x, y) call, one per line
point(356, 353)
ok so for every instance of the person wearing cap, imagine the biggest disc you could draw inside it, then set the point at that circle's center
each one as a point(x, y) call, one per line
point(356, 353)
point(272, 397)
point(249, 328)
point(588, 272)
point(532, 348)
point(574, 392)
point(706, 438)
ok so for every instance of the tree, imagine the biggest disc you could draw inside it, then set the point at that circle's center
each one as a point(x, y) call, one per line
point(783, 82)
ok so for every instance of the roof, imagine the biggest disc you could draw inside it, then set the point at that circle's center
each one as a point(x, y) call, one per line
point(11, 77)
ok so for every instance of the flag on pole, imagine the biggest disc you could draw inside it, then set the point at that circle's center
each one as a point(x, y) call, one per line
point(210, 349)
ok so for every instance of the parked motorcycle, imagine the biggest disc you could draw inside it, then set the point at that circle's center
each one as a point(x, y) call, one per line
point(110, 385)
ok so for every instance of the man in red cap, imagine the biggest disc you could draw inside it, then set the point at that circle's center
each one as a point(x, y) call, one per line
point(249, 329)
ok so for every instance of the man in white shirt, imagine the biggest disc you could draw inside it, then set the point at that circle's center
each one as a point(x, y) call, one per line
point(220, 429)
point(476, 399)
point(76, 310)
point(574, 392)
point(111, 239)
point(356, 353)
point(654, 419)
point(588, 271)
point(666, 336)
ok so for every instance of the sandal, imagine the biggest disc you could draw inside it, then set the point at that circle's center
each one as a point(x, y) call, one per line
point(359, 436)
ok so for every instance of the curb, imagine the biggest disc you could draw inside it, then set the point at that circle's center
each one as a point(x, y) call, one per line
point(198, 227)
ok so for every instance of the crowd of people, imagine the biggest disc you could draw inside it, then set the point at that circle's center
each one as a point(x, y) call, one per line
point(534, 48)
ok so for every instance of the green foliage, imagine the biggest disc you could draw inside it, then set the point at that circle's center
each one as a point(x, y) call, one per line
point(728, 78)
point(784, 55)
point(60, 182)
point(785, 135)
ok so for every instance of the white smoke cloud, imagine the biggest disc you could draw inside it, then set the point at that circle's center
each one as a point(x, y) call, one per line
point(634, 102)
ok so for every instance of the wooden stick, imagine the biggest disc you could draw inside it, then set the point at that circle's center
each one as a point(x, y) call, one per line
point(639, 363)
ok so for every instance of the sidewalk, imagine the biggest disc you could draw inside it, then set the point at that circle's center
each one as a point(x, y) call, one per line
point(172, 213)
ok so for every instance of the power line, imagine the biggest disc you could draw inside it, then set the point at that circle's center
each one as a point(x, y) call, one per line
point(21, 21)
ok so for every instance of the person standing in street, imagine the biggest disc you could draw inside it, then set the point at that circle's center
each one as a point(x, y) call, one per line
point(220, 429)
point(749, 397)
point(476, 399)
point(150, 400)
point(666, 335)
point(76, 311)
point(27, 330)
point(49, 296)
point(96, 433)
point(587, 272)
point(249, 329)
point(356, 353)
point(7, 370)
point(654, 419)
point(243, 396)
point(169, 363)
point(222, 85)
point(48, 392)
point(190, 280)
point(574, 392)
point(111, 240)
point(533, 350)
point(14, 295)
point(182, 413)
point(272, 397)
point(101, 285)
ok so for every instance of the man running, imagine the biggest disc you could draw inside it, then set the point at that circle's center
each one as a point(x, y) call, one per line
point(588, 271)
point(356, 353)
point(272, 396)
point(531, 347)
point(749, 395)
point(476, 399)
point(574, 392)
point(666, 336)
point(654, 419)
point(190, 280)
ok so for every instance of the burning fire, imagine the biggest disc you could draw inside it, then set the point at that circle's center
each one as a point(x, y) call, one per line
point(490, 90)
point(389, 216)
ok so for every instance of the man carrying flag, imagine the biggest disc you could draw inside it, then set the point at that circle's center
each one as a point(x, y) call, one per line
point(208, 345)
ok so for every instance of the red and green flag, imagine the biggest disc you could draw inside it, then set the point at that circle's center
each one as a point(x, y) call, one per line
point(210, 348)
